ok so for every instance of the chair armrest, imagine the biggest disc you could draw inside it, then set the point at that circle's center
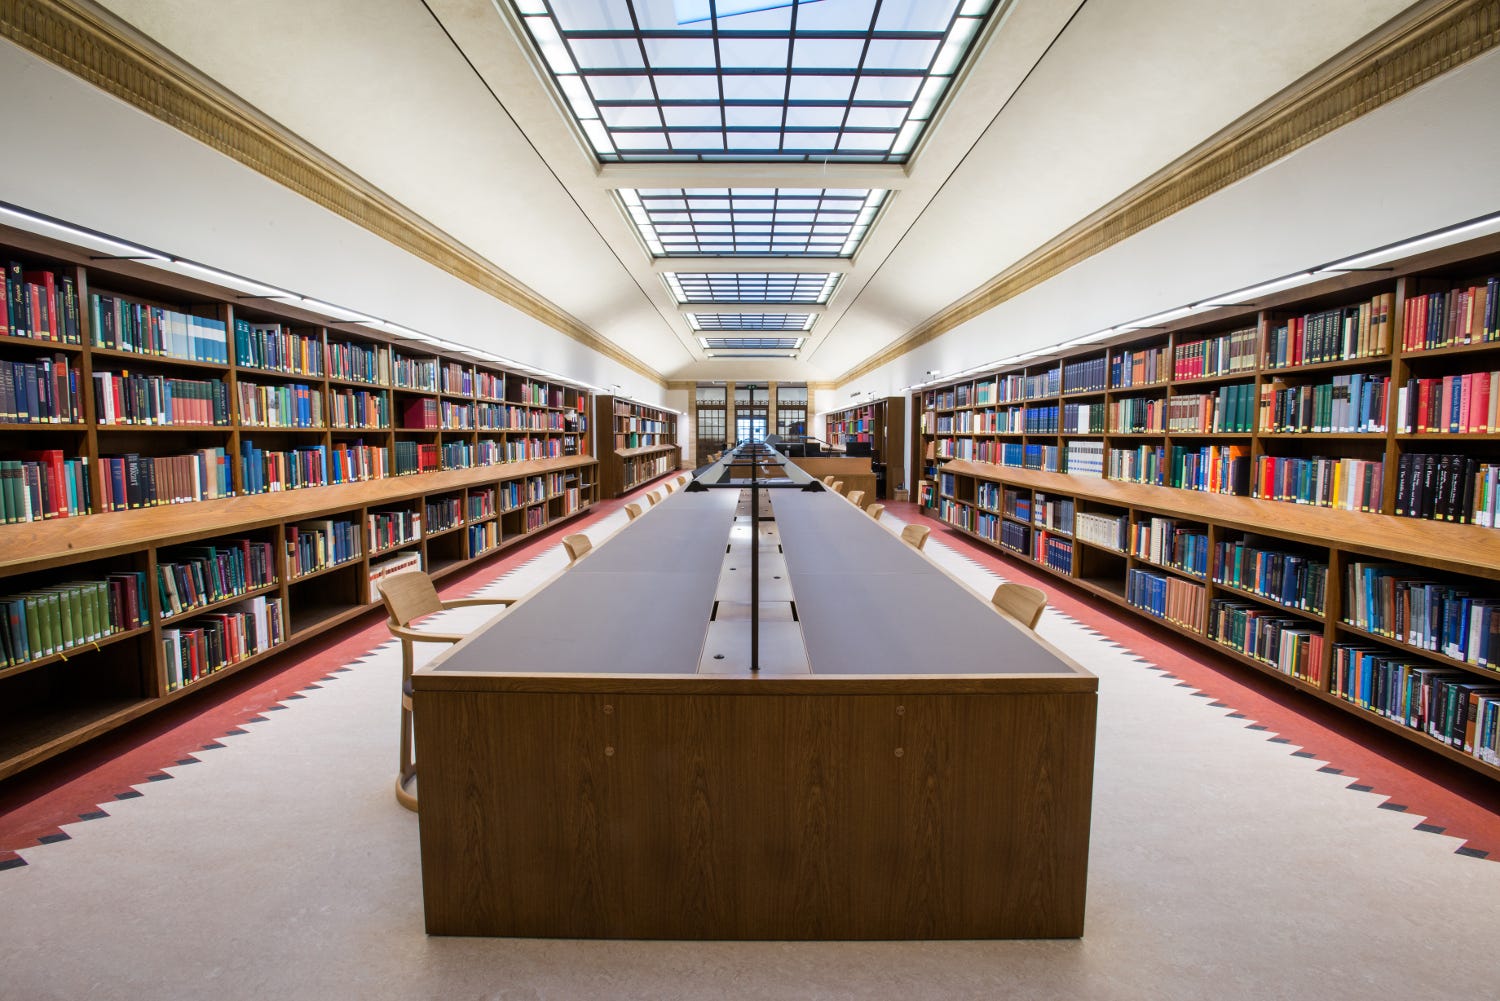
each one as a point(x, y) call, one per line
point(462, 602)
point(407, 633)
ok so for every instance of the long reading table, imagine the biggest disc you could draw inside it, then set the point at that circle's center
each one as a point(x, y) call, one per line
point(922, 769)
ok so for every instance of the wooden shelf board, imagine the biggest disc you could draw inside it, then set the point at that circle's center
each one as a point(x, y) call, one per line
point(171, 428)
point(28, 741)
point(1239, 592)
point(1417, 357)
point(29, 426)
point(334, 380)
point(39, 344)
point(1441, 545)
point(51, 542)
point(1437, 659)
point(1179, 571)
point(1365, 361)
point(438, 533)
point(127, 358)
point(627, 453)
point(353, 561)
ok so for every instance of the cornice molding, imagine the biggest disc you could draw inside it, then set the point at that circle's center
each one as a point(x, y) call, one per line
point(99, 48)
point(1416, 47)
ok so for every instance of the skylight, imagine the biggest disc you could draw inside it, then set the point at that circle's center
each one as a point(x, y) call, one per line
point(763, 222)
point(814, 80)
point(751, 321)
point(751, 343)
point(800, 288)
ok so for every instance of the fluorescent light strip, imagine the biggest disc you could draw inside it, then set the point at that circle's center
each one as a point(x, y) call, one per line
point(78, 234)
point(1396, 250)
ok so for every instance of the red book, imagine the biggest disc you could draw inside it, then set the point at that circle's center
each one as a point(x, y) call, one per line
point(55, 497)
point(46, 282)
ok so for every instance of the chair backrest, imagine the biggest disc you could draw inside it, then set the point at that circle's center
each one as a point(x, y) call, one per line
point(654, 498)
point(634, 510)
point(683, 480)
point(875, 511)
point(857, 498)
point(409, 596)
point(915, 535)
point(838, 486)
point(669, 486)
point(576, 545)
point(1021, 602)
point(828, 480)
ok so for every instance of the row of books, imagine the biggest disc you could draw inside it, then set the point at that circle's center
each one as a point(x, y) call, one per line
point(1043, 457)
point(646, 426)
point(42, 485)
point(124, 325)
point(1229, 410)
point(1346, 484)
point(201, 575)
point(1447, 487)
point(1171, 543)
point(1137, 415)
point(46, 621)
point(415, 457)
point(134, 481)
point(213, 642)
point(316, 545)
point(1349, 404)
point(1016, 538)
point(39, 304)
point(381, 570)
point(358, 362)
point(1362, 331)
point(160, 400)
point(1453, 404)
point(1456, 708)
point(1053, 552)
point(1108, 530)
point(44, 391)
point(1085, 458)
point(282, 405)
point(421, 414)
point(1289, 579)
point(273, 347)
point(1139, 367)
point(388, 529)
point(1224, 354)
point(458, 416)
point(414, 373)
point(1053, 512)
point(275, 470)
point(1083, 418)
point(954, 513)
point(483, 538)
point(1291, 646)
point(1396, 602)
point(1468, 314)
point(986, 525)
point(488, 385)
point(1166, 597)
point(456, 378)
point(359, 408)
point(1086, 376)
point(481, 504)
point(442, 513)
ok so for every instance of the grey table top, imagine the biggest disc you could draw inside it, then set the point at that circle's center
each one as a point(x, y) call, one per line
point(867, 602)
point(871, 604)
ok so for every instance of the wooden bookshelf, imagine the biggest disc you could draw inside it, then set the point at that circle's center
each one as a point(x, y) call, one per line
point(882, 425)
point(642, 446)
point(1205, 474)
point(404, 452)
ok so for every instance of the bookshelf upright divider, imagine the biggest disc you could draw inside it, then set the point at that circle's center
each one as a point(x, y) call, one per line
point(191, 481)
point(1307, 485)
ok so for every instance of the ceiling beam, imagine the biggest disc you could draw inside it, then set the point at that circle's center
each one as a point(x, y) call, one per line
point(758, 308)
point(753, 265)
point(886, 176)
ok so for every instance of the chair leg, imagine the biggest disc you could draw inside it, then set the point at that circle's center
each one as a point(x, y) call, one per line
point(406, 776)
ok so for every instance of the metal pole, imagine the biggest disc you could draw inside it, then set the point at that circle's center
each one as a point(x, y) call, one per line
point(754, 543)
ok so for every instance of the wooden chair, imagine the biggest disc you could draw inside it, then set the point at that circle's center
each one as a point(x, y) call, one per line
point(684, 480)
point(634, 511)
point(828, 480)
point(576, 545)
point(857, 498)
point(653, 498)
point(1021, 602)
point(410, 596)
point(915, 535)
point(838, 486)
point(875, 511)
point(669, 486)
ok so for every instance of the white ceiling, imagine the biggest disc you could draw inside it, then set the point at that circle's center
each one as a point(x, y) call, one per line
point(440, 105)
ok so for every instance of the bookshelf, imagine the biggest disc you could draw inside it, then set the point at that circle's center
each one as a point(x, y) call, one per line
point(882, 424)
point(192, 482)
point(643, 443)
point(1306, 484)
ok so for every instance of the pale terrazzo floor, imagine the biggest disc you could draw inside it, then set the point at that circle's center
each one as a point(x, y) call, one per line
point(1221, 867)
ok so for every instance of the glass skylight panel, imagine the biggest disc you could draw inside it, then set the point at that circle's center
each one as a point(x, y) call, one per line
point(773, 287)
point(751, 321)
point(752, 343)
point(761, 222)
point(801, 80)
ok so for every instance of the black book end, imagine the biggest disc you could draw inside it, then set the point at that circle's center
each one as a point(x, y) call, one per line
point(696, 487)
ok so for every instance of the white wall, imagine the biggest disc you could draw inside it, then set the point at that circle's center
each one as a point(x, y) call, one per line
point(97, 162)
point(1422, 162)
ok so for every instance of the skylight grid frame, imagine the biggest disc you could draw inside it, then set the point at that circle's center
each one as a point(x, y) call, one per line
point(770, 288)
point(751, 343)
point(797, 322)
point(637, 91)
point(755, 222)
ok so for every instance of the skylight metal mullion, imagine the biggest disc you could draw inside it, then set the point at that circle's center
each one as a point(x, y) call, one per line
point(757, 34)
point(864, 52)
point(713, 23)
point(927, 75)
point(786, 92)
